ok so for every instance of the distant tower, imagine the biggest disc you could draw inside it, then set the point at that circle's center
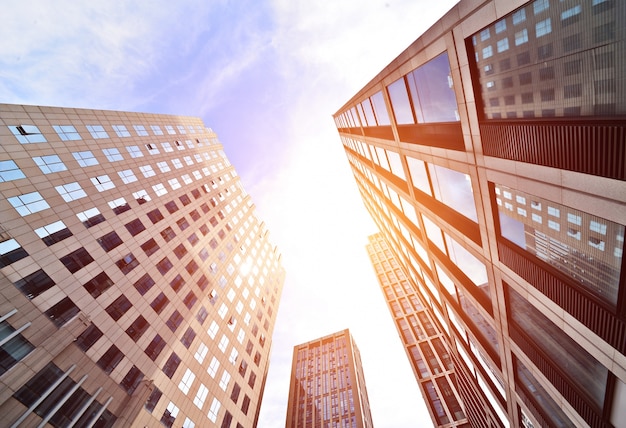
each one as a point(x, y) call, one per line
point(327, 386)
point(424, 341)
point(137, 285)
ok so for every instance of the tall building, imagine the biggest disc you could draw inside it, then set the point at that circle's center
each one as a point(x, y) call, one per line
point(137, 285)
point(327, 387)
point(490, 153)
point(424, 340)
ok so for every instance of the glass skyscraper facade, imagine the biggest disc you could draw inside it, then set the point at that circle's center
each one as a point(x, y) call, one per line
point(490, 153)
point(327, 386)
point(137, 285)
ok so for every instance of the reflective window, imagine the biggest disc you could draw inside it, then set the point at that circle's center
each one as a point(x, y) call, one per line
point(113, 155)
point(399, 97)
point(134, 151)
point(121, 131)
point(27, 134)
point(454, 189)
point(53, 232)
point(575, 243)
point(156, 129)
point(581, 368)
point(85, 158)
point(431, 90)
point(127, 176)
point(67, 132)
point(71, 192)
point(9, 171)
point(141, 130)
point(382, 117)
point(48, 164)
point(170, 129)
point(28, 203)
point(147, 171)
point(102, 183)
point(97, 131)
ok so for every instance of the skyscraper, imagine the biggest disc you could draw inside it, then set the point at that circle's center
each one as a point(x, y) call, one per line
point(137, 285)
point(327, 387)
point(490, 153)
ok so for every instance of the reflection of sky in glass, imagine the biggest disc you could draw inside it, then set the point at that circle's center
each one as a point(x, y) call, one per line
point(470, 265)
point(381, 109)
point(396, 164)
point(400, 102)
point(434, 233)
point(433, 98)
point(512, 230)
point(419, 178)
point(454, 189)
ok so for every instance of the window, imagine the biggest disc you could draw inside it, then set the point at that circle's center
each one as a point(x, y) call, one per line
point(167, 147)
point(97, 131)
point(110, 241)
point(53, 232)
point(71, 192)
point(223, 343)
point(164, 265)
point(252, 379)
point(152, 149)
point(202, 314)
point(155, 216)
point(519, 16)
point(98, 284)
point(163, 166)
point(127, 176)
point(102, 183)
point(34, 284)
point(245, 404)
point(47, 164)
point(143, 284)
point(119, 307)
point(225, 380)
point(503, 45)
point(500, 26)
point(487, 52)
point(127, 263)
point(121, 131)
point(159, 189)
point(177, 283)
point(212, 331)
point(12, 350)
point(201, 395)
point(190, 299)
point(28, 203)
point(76, 260)
point(169, 415)
point(177, 163)
point(201, 353)
point(113, 155)
point(88, 337)
point(135, 227)
point(141, 197)
point(62, 312)
point(155, 347)
point(141, 130)
point(137, 328)
point(153, 399)
point(156, 129)
point(168, 234)
point(174, 321)
point(27, 134)
point(171, 365)
point(543, 27)
point(521, 37)
point(186, 381)
point(134, 151)
point(110, 359)
point(597, 227)
point(85, 158)
point(212, 369)
point(150, 247)
point(540, 5)
point(214, 410)
point(131, 380)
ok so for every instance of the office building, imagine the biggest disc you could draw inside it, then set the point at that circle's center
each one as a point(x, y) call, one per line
point(424, 340)
point(327, 387)
point(490, 153)
point(137, 285)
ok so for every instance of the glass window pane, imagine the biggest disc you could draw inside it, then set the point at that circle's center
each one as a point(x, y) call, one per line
point(454, 189)
point(400, 103)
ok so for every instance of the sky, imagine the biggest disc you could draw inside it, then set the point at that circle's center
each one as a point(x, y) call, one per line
point(266, 76)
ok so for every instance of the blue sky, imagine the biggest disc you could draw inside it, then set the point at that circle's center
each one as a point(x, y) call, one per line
point(267, 77)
